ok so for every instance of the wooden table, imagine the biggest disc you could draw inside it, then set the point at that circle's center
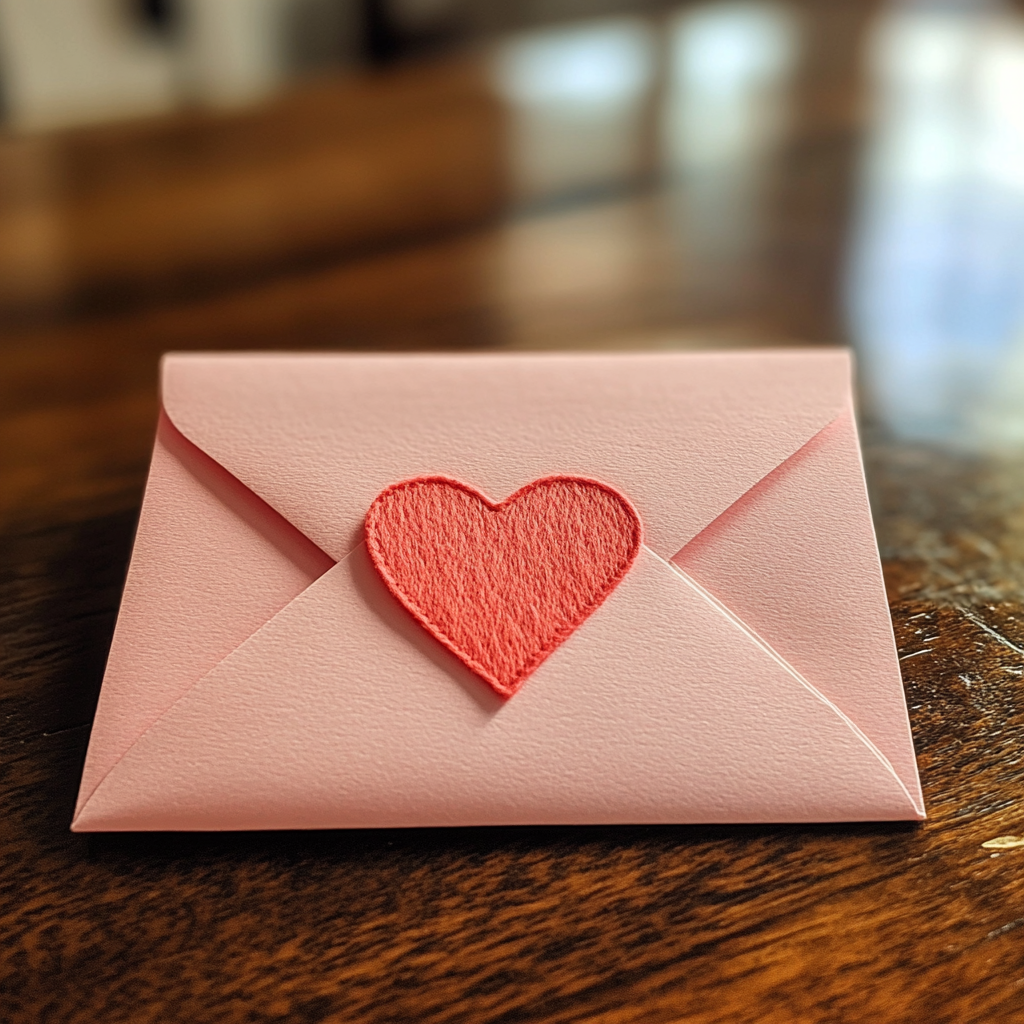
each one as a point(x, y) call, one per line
point(384, 211)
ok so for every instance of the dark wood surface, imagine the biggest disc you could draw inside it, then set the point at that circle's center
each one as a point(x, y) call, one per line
point(108, 267)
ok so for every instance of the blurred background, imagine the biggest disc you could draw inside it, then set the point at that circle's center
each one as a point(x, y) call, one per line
point(506, 173)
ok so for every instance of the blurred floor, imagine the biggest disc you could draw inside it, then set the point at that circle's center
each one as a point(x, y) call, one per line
point(740, 172)
point(758, 170)
point(679, 178)
point(700, 107)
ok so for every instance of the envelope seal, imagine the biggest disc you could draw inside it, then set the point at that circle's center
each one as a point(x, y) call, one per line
point(502, 584)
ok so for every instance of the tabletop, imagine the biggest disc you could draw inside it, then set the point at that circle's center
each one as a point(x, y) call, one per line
point(494, 197)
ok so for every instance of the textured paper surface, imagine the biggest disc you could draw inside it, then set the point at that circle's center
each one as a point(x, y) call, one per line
point(633, 718)
point(211, 564)
point(336, 709)
point(319, 437)
point(795, 559)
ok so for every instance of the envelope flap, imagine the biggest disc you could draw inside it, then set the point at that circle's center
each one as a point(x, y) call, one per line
point(683, 434)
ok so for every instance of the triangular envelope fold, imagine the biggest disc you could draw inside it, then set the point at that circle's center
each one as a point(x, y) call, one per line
point(796, 560)
point(211, 564)
point(340, 712)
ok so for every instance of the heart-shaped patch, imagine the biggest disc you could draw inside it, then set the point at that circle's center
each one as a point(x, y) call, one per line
point(501, 585)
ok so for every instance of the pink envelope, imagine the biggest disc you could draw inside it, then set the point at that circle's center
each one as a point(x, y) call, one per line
point(262, 676)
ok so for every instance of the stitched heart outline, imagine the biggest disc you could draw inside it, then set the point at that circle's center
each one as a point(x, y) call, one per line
point(502, 584)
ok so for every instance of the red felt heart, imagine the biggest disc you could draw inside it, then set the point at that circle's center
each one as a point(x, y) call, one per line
point(501, 585)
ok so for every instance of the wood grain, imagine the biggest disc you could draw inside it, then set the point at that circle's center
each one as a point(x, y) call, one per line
point(774, 925)
point(196, 201)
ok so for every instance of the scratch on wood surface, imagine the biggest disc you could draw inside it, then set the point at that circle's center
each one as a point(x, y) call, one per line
point(1008, 927)
point(914, 654)
point(992, 632)
point(1003, 843)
